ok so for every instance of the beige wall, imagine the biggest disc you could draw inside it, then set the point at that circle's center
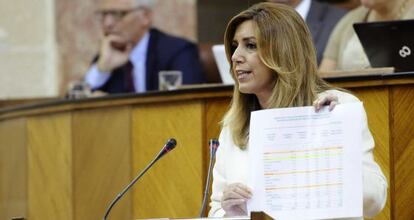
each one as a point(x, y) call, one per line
point(27, 49)
point(44, 44)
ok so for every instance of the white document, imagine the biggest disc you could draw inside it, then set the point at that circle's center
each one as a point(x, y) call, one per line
point(306, 165)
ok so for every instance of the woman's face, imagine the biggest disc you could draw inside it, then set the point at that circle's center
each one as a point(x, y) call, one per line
point(252, 75)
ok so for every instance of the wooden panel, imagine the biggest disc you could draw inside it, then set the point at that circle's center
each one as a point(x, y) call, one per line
point(376, 104)
point(15, 102)
point(102, 162)
point(49, 167)
point(215, 110)
point(173, 187)
point(188, 93)
point(374, 82)
point(403, 141)
point(13, 165)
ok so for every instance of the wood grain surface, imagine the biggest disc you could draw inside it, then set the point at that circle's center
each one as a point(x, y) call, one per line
point(101, 162)
point(49, 179)
point(13, 169)
point(376, 104)
point(402, 132)
point(173, 187)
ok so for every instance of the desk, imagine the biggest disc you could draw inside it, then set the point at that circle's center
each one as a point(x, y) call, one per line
point(68, 159)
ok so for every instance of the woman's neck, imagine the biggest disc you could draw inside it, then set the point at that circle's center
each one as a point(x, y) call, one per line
point(263, 100)
point(390, 10)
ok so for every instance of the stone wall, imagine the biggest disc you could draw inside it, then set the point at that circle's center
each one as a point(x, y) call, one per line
point(44, 44)
point(28, 52)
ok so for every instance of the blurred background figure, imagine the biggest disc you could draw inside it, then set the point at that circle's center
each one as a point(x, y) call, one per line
point(132, 52)
point(344, 50)
point(321, 18)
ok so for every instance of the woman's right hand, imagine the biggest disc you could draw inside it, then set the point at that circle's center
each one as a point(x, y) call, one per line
point(234, 199)
point(326, 98)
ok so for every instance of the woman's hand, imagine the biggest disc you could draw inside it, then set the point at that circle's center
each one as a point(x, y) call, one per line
point(234, 199)
point(325, 98)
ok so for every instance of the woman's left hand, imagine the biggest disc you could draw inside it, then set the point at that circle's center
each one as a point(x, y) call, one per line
point(325, 98)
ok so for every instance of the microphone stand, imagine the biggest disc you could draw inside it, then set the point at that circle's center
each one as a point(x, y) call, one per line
point(213, 143)
point(169, 146)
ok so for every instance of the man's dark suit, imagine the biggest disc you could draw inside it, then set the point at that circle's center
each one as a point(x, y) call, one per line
point(321, 19)
point(164, 52)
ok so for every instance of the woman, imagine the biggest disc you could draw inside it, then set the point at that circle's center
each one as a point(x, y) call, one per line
point(344, 50)
point(273, 63)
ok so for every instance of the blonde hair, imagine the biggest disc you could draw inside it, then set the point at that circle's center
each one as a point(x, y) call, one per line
point(284, 44)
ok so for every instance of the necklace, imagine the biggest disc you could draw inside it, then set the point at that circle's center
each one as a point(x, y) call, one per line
point(403, 9)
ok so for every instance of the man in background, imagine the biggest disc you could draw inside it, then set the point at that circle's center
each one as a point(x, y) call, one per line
point(132, 52)
point(321, 19)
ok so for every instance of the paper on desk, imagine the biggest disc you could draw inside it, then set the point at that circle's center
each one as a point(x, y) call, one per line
point(306, 165)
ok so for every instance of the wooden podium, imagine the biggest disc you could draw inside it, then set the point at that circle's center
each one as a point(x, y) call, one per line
point(259, 216)
point(67, 159)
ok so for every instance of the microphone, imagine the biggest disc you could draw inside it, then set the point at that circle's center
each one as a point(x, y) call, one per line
point(167, 148)
point(213, 144)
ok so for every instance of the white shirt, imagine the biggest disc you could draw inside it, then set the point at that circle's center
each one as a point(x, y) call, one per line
point(232, 167)
point(303, 8)
point(138, 57)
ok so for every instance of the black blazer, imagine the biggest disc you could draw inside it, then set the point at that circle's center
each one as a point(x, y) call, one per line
point(165, 52)
point(321, 19)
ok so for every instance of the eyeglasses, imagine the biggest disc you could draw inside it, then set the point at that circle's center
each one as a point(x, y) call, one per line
point(115, 14)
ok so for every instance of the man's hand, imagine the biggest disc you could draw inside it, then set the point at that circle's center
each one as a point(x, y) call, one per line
point(114, 53)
